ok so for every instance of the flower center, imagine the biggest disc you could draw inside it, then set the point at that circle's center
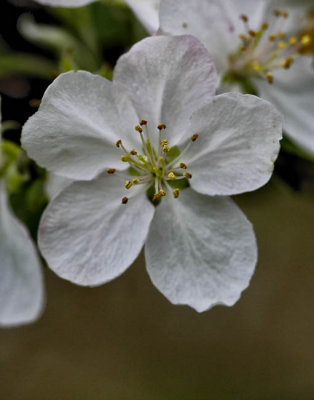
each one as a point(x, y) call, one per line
point(160, 169)
point(265, 50)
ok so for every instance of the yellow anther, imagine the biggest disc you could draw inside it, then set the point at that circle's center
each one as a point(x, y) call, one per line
point(288, 62)
point(282, 45)
point(244, 18)
point(138, 129)
point(285, 14)
point(194, 137)
point(272, 37)
point(277, 13)
point(111, 171)
point(135, 181)
point(306, 40)
point(161, 127)
point(176, 193)
point(281, 35)
point(164, 143)
point(118, 143)
point(124, 158)
point(270, 77)
point(133, 152)
point(293, 40)
point(165, 148)
point(124, 200)
point(162, 192)
point(128, 184)
point(252, 33)
point(156, 197)
point(188, 175)
point(143, 122)
point(243, 48)
point(264, 26)
point(172, 176)
point(183, 166)
point(242, 36)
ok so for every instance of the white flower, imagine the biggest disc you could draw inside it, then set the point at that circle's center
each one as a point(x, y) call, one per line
point(21, 284)
point(200, 249)
point(272, 36)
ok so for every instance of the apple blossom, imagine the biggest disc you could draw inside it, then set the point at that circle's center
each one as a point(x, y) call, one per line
point(260, 44)
point(154, 155)
point(21, 285)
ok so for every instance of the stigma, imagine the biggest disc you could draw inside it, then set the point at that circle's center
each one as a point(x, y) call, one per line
point(267, 49)
point(155, 167)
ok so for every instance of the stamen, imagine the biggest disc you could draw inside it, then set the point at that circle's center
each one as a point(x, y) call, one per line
point(143, 122)
point(194, 137)
point(188, 175)
point(124, 158)
point(135, 181)
point(118, 143)
point(133, 152)
point(277, 13)
point(162, 193)
point(270, 77)
point(172, 176)
point(285, 14)
point(128, 184)
point(244, 18)
point(161, 127)
point(176, 193)
point(306, 40)
point(183, 166)
point(155, 198)
point(165, 148)
point(111, 171)
point(138, 129)
point(124, 200)
point(288, 62)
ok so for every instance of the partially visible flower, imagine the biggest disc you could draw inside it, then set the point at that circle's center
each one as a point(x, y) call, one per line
point(145, 10)
point(156, 155)
point(65, 3)
point(260, 44)
point(21, 283)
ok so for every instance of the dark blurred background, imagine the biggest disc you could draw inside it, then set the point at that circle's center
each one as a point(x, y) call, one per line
point(125, 341)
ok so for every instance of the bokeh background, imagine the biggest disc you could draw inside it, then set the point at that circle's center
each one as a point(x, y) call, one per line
point(125, 341)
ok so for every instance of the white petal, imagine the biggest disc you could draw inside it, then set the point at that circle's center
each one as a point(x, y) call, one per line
point(201, 251)
point(65, 3)
point(169, 78)
point(88, 237)
point(147, 12)
point(21, 283)
point(74, 132)
point(213, 22)
point(237, 145)
point(292, 94)
point(55, 184)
